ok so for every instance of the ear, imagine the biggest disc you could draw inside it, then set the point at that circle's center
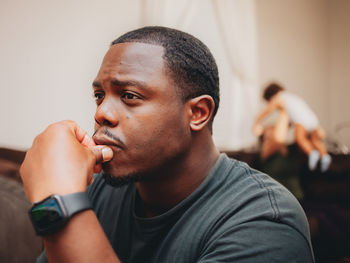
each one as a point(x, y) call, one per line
point(201, 109)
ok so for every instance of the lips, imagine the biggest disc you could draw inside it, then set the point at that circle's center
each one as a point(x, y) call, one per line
point(104, 140)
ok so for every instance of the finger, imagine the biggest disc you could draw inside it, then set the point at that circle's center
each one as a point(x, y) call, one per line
point(88, 141)
point(102, 153)
point(80, 134)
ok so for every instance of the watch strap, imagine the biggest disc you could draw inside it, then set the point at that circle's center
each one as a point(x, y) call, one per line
point(75, 202)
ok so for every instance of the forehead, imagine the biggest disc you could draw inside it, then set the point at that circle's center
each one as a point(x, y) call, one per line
point(133, 59)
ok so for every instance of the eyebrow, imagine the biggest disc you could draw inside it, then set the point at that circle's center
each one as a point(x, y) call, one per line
point(122, 83)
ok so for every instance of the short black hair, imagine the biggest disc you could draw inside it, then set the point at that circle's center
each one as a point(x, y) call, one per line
point(271, 90)
point(191, 65)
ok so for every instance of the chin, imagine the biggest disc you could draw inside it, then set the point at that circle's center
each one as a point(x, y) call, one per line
point(118, 181)
point(117, 176)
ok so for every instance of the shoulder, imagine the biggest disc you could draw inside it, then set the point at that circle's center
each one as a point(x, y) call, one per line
point(261, 195)
point(255, 215)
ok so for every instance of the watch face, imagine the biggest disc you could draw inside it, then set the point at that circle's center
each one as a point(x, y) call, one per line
point(47, 215)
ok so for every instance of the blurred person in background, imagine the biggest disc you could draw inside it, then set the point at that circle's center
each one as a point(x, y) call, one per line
point(293, 110)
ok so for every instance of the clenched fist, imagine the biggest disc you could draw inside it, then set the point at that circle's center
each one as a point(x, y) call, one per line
point(61, 160)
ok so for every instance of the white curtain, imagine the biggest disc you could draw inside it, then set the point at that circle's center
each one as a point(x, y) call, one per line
point(228, 28)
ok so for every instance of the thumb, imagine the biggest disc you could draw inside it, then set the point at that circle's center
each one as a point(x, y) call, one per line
point(102, 153)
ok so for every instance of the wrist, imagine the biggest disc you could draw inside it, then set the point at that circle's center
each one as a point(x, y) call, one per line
point(52, 213)
point(47, 189)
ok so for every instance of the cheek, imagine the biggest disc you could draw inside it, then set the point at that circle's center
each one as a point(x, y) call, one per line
point(162, 132)
point(146, 131)
point(156, 126)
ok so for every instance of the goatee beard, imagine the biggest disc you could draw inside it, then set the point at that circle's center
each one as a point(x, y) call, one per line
point(120, 181)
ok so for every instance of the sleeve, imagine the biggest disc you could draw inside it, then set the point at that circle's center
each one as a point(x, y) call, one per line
point(258, 241)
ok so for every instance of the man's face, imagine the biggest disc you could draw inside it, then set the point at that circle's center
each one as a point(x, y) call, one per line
point(139, 113)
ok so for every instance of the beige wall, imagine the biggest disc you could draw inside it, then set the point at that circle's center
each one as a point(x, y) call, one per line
point(50, 52)
point(305, 45)
point(339, 64)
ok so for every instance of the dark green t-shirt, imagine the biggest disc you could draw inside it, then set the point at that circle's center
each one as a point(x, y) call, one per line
point(237, 214)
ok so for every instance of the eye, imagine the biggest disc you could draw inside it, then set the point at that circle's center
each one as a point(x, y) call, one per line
point(129, 96)
point(98, 95)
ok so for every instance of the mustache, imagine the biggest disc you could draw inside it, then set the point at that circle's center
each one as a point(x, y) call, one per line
point(110, 135)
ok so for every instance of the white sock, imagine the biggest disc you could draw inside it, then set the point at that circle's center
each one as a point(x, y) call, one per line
point(325, 162)
point(314, 156)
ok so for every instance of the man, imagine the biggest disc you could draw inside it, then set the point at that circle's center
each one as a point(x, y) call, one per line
point(165, 193)
point(308, 134)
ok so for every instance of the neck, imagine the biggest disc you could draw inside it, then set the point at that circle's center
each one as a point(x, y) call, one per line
point(180, 180)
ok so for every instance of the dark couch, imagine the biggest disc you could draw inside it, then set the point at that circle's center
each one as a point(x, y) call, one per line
point(18, 242)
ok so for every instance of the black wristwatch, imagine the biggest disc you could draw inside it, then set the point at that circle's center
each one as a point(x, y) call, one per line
point(52, 213)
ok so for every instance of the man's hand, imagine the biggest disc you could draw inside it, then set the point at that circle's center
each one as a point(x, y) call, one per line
point(61, 160)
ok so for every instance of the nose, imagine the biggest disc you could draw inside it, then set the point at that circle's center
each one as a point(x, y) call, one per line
point(107, 114)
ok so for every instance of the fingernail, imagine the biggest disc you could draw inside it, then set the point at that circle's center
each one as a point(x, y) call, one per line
point(107, 154)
